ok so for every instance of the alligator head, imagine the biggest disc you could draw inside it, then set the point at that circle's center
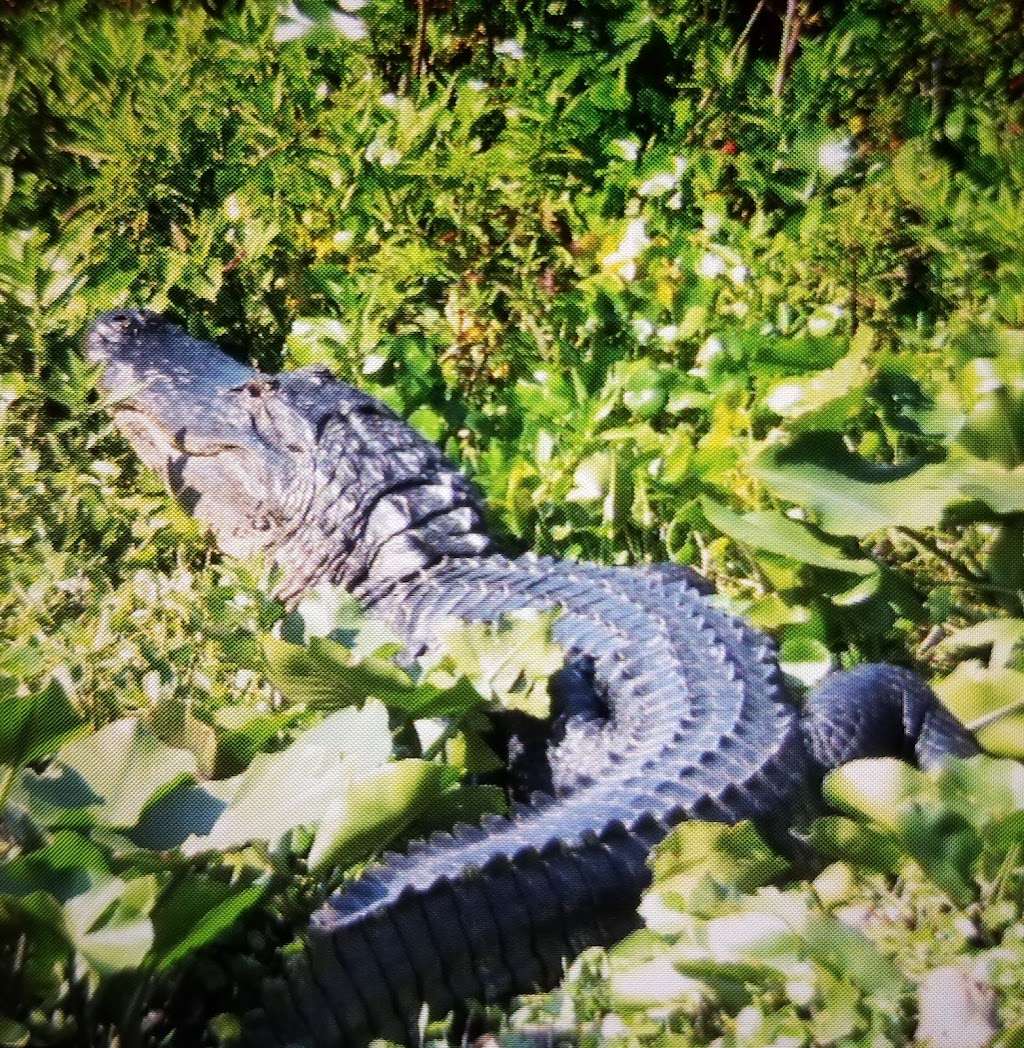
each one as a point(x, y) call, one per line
point(224, 437)
point(324, 478)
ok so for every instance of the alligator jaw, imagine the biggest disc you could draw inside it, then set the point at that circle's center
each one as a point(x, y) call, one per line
point(193, 415)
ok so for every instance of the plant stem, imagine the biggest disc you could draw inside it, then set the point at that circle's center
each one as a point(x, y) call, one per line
point(420, 43)
point(790, 32)
point(709, 93)
point(926, 542)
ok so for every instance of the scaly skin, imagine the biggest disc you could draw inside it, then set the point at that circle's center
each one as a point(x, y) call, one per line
point(668, 708)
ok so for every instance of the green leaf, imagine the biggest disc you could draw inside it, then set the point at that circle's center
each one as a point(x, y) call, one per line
point(323, 675)
point(838, 837)
point(110, 925)
point(699, 863)
point(875, 787)
point(825, 398)
point(34, 726)
point(805, 658)
point(1003, 636)
point(990, 702)
point(194, 912)
point(67, 866)
point(373, 809)
point(295, 787)
point(509, 663)
point(247, 730)
point(771, 531)
point(108, 777)
point(850, 496)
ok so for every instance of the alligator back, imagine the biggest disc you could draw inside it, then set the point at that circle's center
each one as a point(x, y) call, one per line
point(699, 726)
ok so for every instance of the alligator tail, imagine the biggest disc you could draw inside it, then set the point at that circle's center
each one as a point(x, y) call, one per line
point(699, 726)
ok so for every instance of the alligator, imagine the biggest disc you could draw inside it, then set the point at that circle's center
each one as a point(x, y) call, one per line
point(668, 707)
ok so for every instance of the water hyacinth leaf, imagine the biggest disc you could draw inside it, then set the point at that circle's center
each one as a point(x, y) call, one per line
point(329, 611)
point(733, 983)
point(173, 721)
point(372, 809)
point(188, 810)
point(245, 731)
point(508, 663)
point(194, 912)
point(67, 866)
point(877, 787)
point(110, 925)
point(643, 972)
point(734, 855)
point(907, 804)
point(848, 495)
point(841, 838)
point(824, 398)
point(839, 948)
point(775, 533)
point(805, 658)
point(323, 675)
point(34, 726)
point(989, 701)
point(108, 778)
point(1003, 637)
point(279, 792)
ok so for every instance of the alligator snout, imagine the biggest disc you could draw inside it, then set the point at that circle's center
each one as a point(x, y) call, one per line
point(119, 324)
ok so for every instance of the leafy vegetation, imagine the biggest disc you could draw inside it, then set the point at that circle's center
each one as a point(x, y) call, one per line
point(734, 285)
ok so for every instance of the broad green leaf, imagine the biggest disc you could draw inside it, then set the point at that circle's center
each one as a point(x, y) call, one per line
point(110, 925)
point(643, 972)
point(66, 866)
point(107, 778)
point(1003, 636)
point(734, 855)
point(34, 726)
point(323, 674)
point(295, 787)
point(877, 787)
point(173, 721)
point(194, 912)
point(839, 837)
point(771, 531)
point(990, 702)
point(825, 397)
point(246, 730)
point(508, 663)
point(373, 808)
point(805, 658)
point(850, 496)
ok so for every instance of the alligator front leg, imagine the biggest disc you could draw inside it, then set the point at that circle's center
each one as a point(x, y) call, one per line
point(878, 710)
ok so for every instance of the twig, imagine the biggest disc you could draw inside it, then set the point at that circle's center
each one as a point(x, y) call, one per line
point(709, 93)
point(928, 543)
point(421, 39)
point(790, 35)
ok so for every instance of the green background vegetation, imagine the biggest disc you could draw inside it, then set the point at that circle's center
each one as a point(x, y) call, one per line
point(739, 286)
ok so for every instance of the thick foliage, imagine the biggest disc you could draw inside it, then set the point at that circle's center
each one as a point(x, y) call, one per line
point(704, 282)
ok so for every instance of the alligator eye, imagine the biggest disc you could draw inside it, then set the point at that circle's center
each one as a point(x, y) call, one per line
point(256, 387)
